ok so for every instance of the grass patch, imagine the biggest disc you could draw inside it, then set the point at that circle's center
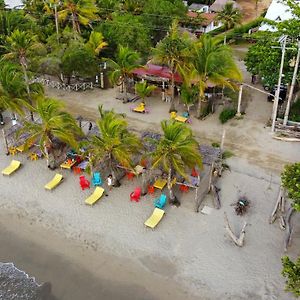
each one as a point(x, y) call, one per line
point(227, 114)
point(227, 154)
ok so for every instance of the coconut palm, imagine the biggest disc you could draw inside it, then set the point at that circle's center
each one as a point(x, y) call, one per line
point(126, 61)
point(176, 151)
point(50, 8)
point(115, 144)
point(54, 124)
point(96, 42)
point(144, 90)
point(12, 88)
point(173, 51)
point(229, 15)
point(188, 95)
point(212, 62)
point(79, 12)
point(20, 45)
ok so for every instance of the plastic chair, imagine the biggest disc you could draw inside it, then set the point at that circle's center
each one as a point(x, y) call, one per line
point(136, 194)
point(76, 170)
point(12, 150)
point(84, 183)
point(161, 201)
point(194, 173)
point(96, 179)
point(184, 188)
point(129, 175)
point(151, 189)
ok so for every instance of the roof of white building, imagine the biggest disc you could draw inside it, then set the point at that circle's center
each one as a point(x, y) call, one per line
point(13, 3)
point(278, 12)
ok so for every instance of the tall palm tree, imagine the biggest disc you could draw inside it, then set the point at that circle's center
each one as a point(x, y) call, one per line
point(126, 61)
point(229, 15)
point(54, 124)
point(176, 151)
point(12, 88)
point(96, 42)
point(115, 144)
point(143, 89)
point(212, 62)
point(20, 45)
point(51, 9)
point(79, 12)
point(188, 95)
point(173, 51)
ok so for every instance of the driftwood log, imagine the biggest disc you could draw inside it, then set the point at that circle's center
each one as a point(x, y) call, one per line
point(216, 196)
point(288, 236)
point(279, 206)
point(238, 240)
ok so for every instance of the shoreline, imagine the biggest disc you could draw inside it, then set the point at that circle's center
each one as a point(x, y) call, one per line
point(75, 270)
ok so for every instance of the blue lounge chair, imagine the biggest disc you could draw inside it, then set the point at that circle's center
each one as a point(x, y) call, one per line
point(96, 180)
point(161, 201)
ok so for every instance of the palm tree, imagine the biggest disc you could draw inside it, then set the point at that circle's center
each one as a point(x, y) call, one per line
point(176, 151)
point(54, 124)
point(12, 88)
point(96, 42)
point(143, 89)
point(230, 16)
point(188, 95)
point(126, 61)
point(115, 144)
point(212, 62)
point(20, 45)
point(51, 9)
point(79, 12)
point(173, 51)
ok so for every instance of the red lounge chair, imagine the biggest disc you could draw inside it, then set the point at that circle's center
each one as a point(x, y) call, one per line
point(184, 188)
point(76, 170)
point(151, 189)
point(84, 183)
point(194, 173)
point(136, 195)
point(129, 175)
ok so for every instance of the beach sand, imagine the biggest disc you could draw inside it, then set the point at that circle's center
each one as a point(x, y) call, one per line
point(106, 250)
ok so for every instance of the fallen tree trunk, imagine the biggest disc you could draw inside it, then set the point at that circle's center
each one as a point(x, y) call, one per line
point(288, 236)
point(276, 208)
point(239, 241)
point(216, 196)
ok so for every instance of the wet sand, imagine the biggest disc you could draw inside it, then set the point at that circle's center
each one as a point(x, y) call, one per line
point(79, 273)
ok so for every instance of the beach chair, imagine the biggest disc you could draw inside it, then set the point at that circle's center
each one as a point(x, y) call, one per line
point(57, 179)
point(96, 179)
point(97, 194)
point(14, 166)
point(84, 183)
point(136, 194)
point(161, 201)
point(155, 218)
point(151, 189)
point(129, 175)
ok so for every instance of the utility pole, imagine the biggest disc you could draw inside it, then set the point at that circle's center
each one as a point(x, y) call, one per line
point(276, 100)
point(238, 112)
point(287, 110)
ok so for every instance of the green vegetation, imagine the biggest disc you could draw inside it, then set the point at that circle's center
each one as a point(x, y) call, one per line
point(230, 16)
point(176, 152)
point(227, 114)
point(290, 179)
point(291, 271)
point(144, 90)
point(295, 111)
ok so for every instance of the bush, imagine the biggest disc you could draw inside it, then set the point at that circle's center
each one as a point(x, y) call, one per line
point(295, 111)
point(291, 271)
point(227, 114)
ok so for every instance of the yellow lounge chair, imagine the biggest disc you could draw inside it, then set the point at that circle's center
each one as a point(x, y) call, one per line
point(57, 179)
point(14, 165)
point(155, 218)
point(160, 183)
point(97, 194)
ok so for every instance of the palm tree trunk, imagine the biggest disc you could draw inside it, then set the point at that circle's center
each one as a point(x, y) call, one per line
point(172, 107)
point(56, 22)
point(27, 87)
point(199, 108)
point(125, 89)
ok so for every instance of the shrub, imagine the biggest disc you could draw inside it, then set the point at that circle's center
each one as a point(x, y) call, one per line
point(291, 271)
point(227, 114)
point(295, 111)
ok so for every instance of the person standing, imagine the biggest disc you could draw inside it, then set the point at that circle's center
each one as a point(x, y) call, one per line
point(109, 182)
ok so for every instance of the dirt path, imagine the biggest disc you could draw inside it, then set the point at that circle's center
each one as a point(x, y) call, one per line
point(248, 8)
